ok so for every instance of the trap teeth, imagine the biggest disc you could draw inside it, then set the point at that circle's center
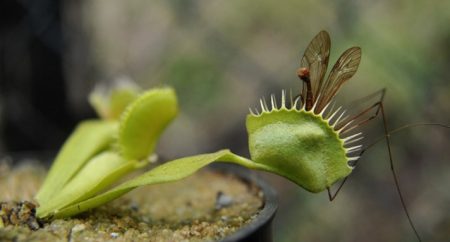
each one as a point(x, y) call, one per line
point(297, 104)
point(352, 161)
point(345, 126)
point(355, 158)
point(349, 138)
point(313, 109)
point(354, 148)
point(261, 102)
point(331, 110)
point(265, 108)
point(273, 102)
point(294, 105)
point(339, 118)
point(354, 140)
point(323, 110)
point(265, 105)
point(334, 114)
point(283, 99)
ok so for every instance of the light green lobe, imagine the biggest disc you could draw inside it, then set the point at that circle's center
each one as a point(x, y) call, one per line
point(143, 121)
point(298, 145)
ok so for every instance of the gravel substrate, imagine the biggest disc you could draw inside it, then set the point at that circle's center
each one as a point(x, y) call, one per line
point(205, 207)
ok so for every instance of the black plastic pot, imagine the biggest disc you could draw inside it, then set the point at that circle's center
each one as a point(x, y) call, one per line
point(260, 230)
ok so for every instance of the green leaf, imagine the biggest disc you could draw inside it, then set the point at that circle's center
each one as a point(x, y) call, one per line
point(88, 139)
point(144, 120)
point(168, 172)
point(99, 173)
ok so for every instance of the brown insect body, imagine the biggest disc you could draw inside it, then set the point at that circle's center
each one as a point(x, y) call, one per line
point(303, 74)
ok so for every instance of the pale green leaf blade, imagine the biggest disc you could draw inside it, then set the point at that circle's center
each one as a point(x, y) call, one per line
point(143, 121)
point(98, 174)
point(88, 139)
point(168, 172)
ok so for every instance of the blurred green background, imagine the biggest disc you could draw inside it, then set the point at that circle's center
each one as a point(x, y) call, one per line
point(222, 56)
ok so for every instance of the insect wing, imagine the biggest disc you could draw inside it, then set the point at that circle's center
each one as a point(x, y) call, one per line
point(344, 69)
point(315, 59)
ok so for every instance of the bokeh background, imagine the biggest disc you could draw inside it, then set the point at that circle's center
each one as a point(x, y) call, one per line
point(221, 57)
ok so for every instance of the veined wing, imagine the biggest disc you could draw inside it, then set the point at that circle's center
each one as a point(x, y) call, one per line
point(315, 59)
point(344, 69)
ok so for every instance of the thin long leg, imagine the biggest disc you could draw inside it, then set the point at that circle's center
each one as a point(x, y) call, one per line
point(333, 196)
point(394, 174)
point(391, 162)
point(376, 105)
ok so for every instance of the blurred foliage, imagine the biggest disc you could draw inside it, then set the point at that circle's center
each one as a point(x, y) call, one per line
point(200, 77)
point(222, 56)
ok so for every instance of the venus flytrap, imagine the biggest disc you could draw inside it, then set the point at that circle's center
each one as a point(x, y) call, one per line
point(304, 139)
point(299, 140)
point(289, 142)
point(100, 152)
point(298, 144)
point(275, 137)
point(89, 138)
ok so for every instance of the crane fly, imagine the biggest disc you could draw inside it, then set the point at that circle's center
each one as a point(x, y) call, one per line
point(317, 92)
point(315, 145)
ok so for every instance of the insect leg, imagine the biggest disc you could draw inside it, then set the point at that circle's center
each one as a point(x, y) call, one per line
point(331, 196)
point(394, 174)
point(359, 115)
point(387, 134)
point(376, 106)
